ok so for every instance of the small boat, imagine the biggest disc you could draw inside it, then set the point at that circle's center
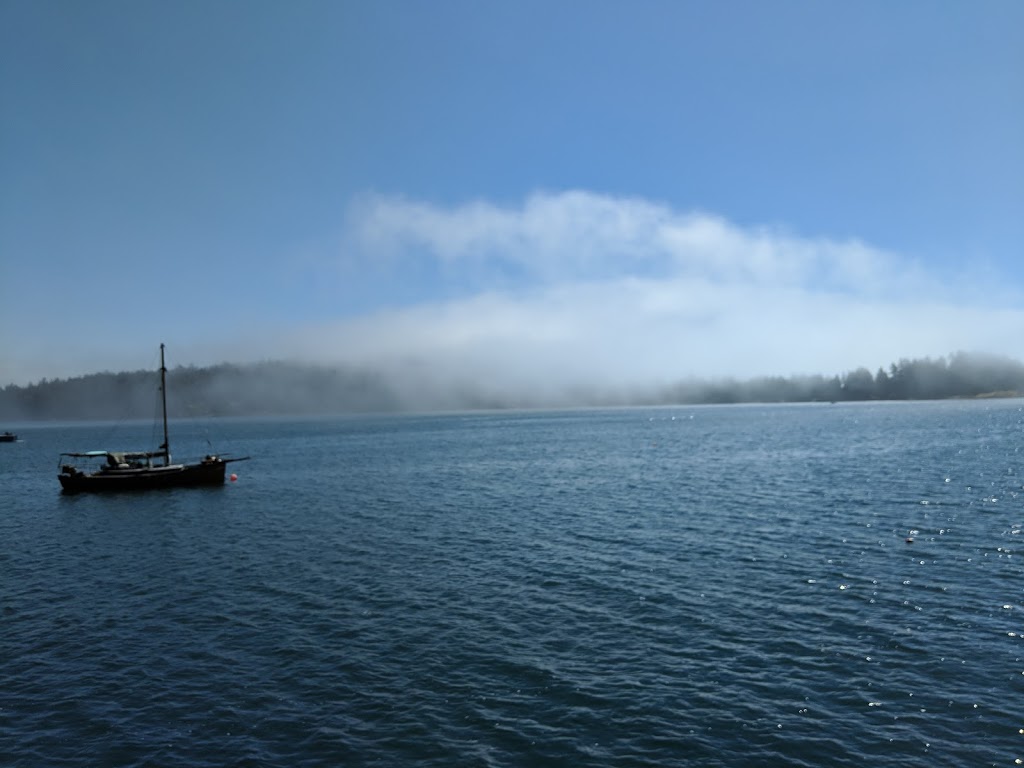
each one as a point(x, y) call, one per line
point(8, 437)
point(141, 470)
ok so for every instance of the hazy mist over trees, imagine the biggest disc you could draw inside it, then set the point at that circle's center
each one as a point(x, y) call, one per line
point(276, 388)
point(961, 375)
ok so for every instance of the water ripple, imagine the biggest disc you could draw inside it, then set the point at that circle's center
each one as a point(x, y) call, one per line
point(749, 586)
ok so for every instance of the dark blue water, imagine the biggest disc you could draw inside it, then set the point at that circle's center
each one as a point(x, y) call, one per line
point(717, 586)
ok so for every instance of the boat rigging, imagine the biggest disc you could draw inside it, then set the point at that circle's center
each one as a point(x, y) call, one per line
point(137, 470)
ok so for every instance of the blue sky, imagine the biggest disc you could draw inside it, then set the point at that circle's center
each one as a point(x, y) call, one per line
point(527, 193)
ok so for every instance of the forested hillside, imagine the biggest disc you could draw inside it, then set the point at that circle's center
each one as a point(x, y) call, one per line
point(221, 390)
point(288, 389)
point(961, 375)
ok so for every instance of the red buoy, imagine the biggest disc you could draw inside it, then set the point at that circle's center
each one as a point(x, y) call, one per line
point(233, 477)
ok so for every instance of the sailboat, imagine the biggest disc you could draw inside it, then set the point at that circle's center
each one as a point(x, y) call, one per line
point(141, 470)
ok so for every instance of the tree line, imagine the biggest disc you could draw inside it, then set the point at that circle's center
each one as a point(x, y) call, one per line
point(268, 388)
point(275, 388)
point(960, 375)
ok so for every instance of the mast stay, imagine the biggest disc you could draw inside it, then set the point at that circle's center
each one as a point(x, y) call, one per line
point(166, 448)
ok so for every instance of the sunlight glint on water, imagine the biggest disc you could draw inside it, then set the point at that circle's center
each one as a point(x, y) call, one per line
point(790, 585)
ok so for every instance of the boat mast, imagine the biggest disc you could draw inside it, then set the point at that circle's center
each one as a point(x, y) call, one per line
point(166, 448)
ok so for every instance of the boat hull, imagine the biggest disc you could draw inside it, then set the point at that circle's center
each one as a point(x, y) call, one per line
point(207, 472)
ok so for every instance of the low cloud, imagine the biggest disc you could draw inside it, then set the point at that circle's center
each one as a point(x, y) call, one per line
point(576, 236)
point(577, 289)
point(580, 291)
